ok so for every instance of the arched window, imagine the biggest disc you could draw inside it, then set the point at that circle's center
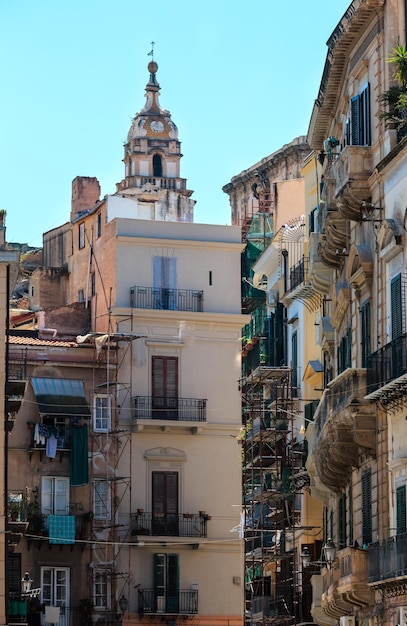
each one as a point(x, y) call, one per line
point(157, 166)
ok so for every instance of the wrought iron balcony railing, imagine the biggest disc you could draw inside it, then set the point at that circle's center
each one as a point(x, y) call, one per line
point(169, 524)
point(298, 273)
point(386, 364)
point(388, 559)
point(179, 409)
point(152, 601)
point(167, 299)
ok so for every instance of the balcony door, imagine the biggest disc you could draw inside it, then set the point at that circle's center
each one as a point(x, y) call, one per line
point(164, 282)
point(55, 591)
point(165, 387)
point(166, 583)
point(165, 503)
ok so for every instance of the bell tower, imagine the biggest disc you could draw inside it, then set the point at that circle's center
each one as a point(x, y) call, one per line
point(152, 155)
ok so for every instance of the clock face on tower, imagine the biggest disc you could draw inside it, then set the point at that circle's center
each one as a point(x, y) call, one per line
point(157, 127)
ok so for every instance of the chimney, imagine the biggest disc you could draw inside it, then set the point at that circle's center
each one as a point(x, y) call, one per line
point(85, 194)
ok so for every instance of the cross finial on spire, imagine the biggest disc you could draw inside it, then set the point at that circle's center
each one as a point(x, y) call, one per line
point(151, 53)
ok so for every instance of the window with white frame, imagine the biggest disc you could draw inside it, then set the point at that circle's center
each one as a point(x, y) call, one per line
point(101, 589)
point(101, 413)
point(55, 495)
point(101, 499)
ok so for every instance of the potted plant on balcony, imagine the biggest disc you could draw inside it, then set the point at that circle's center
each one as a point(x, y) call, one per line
point(394, 100)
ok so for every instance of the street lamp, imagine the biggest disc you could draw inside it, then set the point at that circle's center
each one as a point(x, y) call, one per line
point(123, 604)
point(328, 550)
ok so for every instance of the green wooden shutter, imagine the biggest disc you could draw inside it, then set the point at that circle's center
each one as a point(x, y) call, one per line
point(396, 307)
point(401, 524)
point(294, 359)
point(350, 500)
point(365, 114)
point(342, 521)
point(365, 332)
point(367, 507)
point(355, 120)
point(172, 583)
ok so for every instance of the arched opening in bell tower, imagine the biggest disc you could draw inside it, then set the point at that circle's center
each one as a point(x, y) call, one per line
point(157, 166)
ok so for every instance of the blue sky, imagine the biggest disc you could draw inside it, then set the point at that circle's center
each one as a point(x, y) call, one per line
point(238, 77)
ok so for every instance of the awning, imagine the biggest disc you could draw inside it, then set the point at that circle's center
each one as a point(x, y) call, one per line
point(61, 396)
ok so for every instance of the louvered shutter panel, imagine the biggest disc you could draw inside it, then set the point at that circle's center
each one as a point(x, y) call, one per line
point(355, 120)
point(158, 492)
point(342, 521)
point(365, 106)
point(365, 329)
point(401, 523)
point(367, 507)
point(396, 307)
point(172, 583)
point(279, 335)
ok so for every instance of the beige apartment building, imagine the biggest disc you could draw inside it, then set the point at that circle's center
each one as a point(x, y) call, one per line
point(153, 301)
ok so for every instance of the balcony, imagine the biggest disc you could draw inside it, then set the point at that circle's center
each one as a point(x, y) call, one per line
point(159, 182)
point(353, 572)
point(300, 287)
point(154, 602)
point(169, 525)
point(61, 429)
point(177, 409)
point(320, 276)
point(166, 299)
point(332, 602)
point(386, 371)
point(351, 171)
point(345, 429)
point(387, 562)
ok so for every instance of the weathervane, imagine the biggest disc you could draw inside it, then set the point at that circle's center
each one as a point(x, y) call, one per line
point(151, 53)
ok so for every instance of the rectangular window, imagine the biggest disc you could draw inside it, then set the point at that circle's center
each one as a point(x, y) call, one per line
point(101, 413)
point(165, 503)
point(401, 522)
point(360, 118)
point(81, 295)
point(55, 587)
point(101, 589)
point(101, 500)
point(166, 583)
point(81, 242)
point(345, 351)
point(99, 225)
point(93, 284)
point(54, 495)
point(165, 282)
point(365, 332)
point(165, 387)
point(367, 507)
point(14, 574)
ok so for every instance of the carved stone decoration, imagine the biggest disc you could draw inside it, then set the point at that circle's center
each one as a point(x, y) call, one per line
point(359, 270)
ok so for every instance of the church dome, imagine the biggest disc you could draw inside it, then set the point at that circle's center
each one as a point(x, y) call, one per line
point(153, 121)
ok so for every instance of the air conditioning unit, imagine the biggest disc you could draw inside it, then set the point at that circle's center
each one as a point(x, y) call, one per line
point(402, 615)
point(347, 620)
